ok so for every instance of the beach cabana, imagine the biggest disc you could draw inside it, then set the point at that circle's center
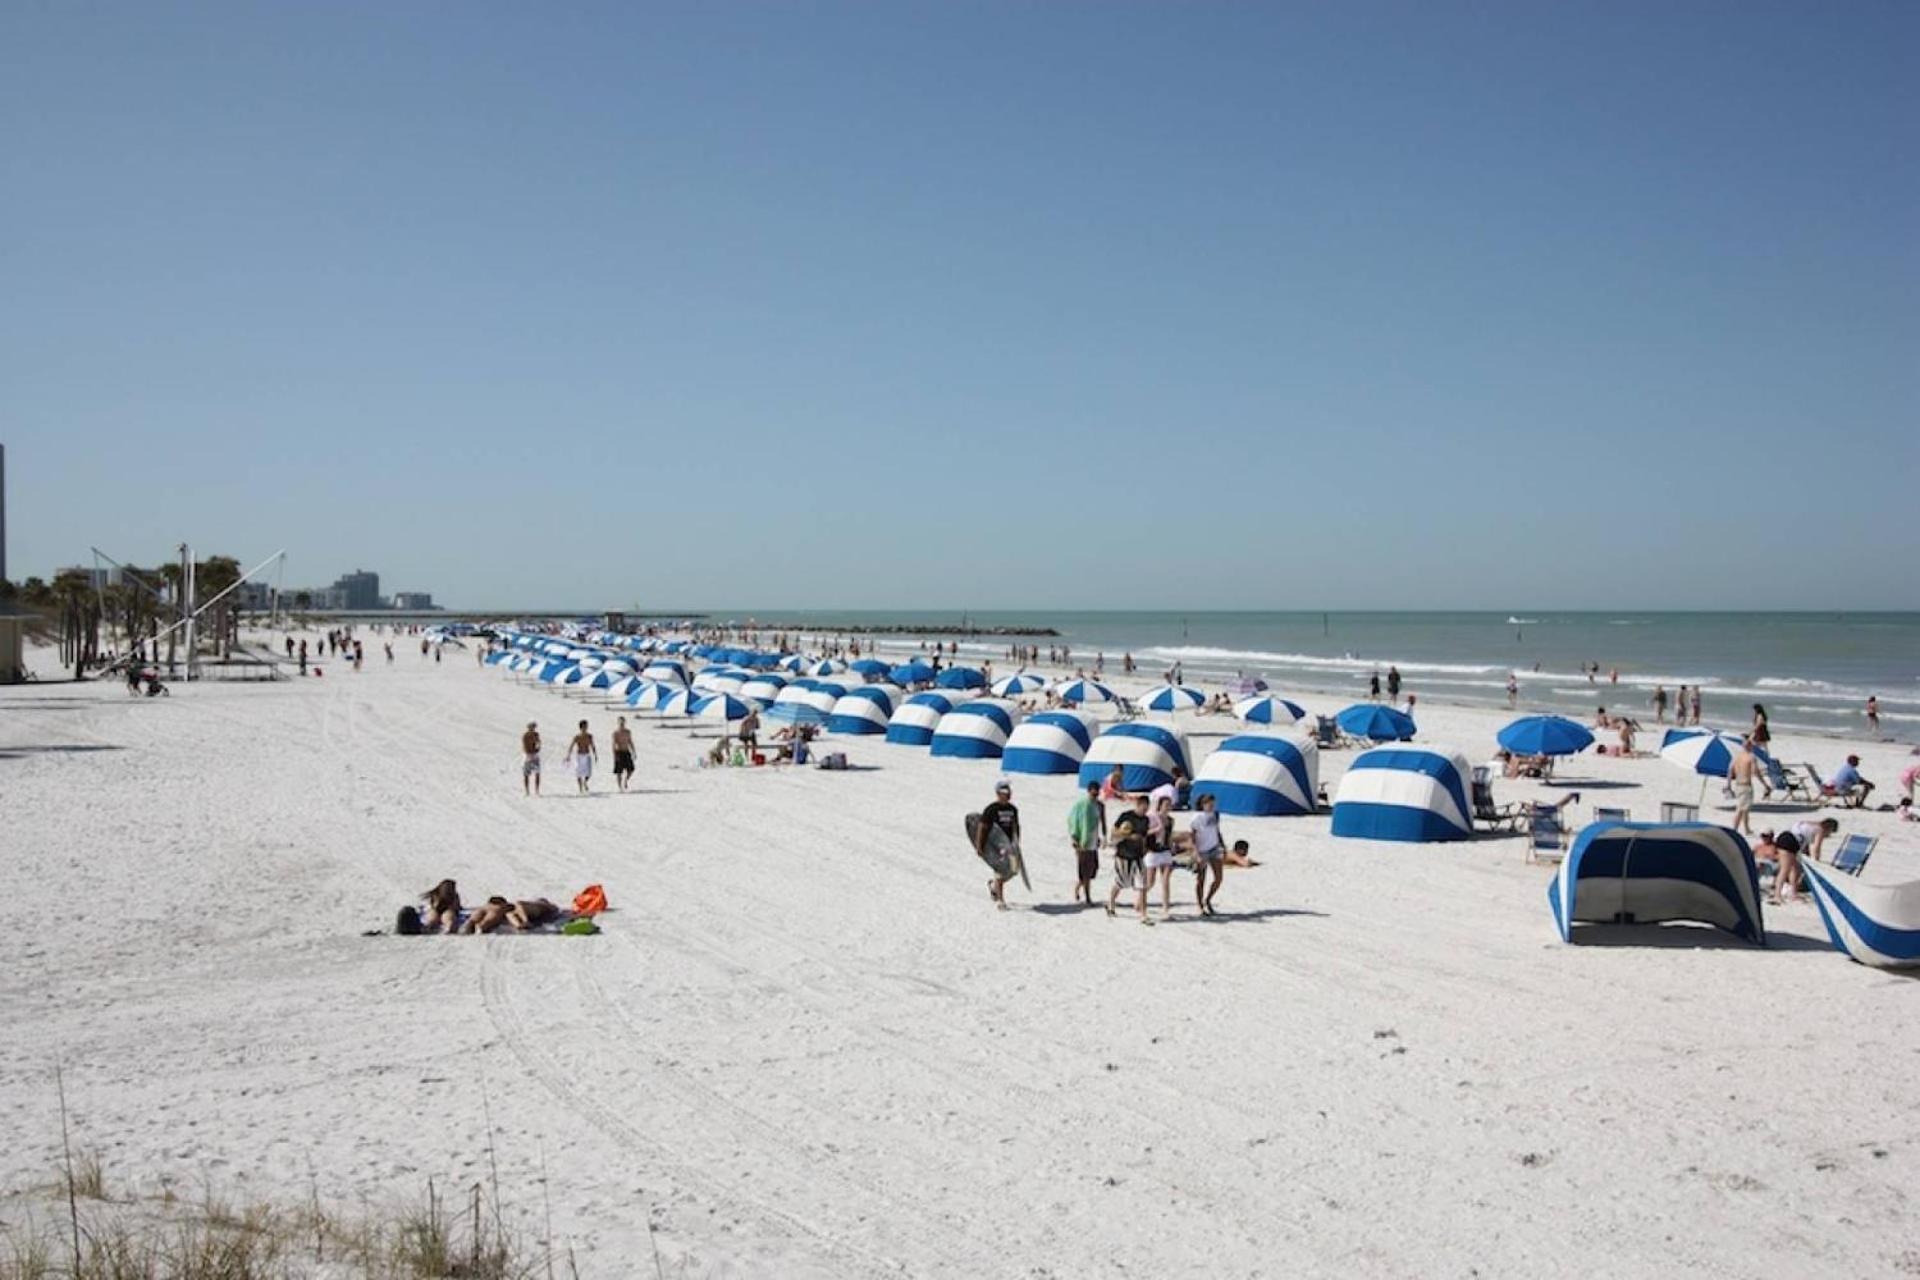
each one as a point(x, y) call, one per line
point(865, 710)
point(1173, 697)
point(976, 730)
point(1412, 794)
point(1146, 753)
point(1265, 708)
point(1051, 742)
point(1652, 872)
point(1375, 722)
point(1256, 775)
point(1876, 924)
point(960, 678)
point(914, 720)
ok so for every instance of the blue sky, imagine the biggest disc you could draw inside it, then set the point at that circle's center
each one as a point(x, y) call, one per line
point(1065, 305)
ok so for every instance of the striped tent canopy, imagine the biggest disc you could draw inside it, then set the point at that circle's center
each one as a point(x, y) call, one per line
point(1174, 697)
point(1702, 752)
point(1265, 708)
point(498, 656)
point(1652, 872)
point(793, 663)
point(865, 710)
point(976, 730)
point(602, 678)
point(724, 681)
point(960, 678)
point(1014, 685)
point(1255, 775)
point(763, 688)
point(819, 694)
point(1146, 753)
point(1051, 742)
point(1371, 720)
point(556, 669)
point(913, 721)
point(649, 694)
point(1084, 691)
point(1876, 924)
point(1414, 794)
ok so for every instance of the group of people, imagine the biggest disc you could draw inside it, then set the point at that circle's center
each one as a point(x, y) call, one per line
point(1144, 843)
point(582, 754)
point(440, 911)
point(1686, 704)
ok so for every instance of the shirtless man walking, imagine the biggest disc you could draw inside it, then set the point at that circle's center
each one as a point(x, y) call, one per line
point(530, 760)
point(1742, 773)
point(582, 753)
point(622, 754)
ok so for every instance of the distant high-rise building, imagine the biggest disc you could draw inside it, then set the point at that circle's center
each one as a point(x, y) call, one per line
point(358, 590)
point(413, 600)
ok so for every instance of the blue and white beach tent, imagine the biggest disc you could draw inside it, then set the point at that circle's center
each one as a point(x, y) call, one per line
point(1051, 742)
point(763, 688)
point(1146, 753)
point(975, 730)
point(865, 710)
point(1265, 708)
point(872, 668)
point(1174, 697)
point(1257, 775)
point(1377, 722)
point(1650, 872)
point(1413, 794)
point(1876, 924)
point(913, 721)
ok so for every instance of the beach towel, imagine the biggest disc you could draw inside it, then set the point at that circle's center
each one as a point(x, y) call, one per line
point(590, 901)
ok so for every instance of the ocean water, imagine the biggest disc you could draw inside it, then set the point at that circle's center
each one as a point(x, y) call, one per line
point(1812, 671)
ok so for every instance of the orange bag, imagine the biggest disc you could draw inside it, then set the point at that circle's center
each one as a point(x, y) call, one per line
point(590, 901)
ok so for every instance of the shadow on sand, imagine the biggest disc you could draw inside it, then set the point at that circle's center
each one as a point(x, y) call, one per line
point(1685, 937)
point(55, 748)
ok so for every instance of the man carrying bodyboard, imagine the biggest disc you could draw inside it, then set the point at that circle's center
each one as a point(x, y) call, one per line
point(995, 832)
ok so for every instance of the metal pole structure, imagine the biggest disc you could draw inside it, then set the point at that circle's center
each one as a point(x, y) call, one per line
point(192, 615)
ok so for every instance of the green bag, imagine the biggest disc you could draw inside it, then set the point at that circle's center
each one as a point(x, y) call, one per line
point(582, 927)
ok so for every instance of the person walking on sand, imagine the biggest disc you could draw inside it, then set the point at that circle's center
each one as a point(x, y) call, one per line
point(1659, 704)
point(1159, 863)
point(1002, 816)
point(1742, 772)
point(530, 760)
point(303, 655)
point(1373, 687)
point(1129, 858)
point(1393, 685)
point(1760, 735)
point(1087, 828)
point(1513, 691)
point(622, 754)
point(581, 753)
point(1209, 853)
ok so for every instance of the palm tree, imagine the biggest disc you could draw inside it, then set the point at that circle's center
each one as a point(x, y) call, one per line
point(210, 577)
point(79, 607)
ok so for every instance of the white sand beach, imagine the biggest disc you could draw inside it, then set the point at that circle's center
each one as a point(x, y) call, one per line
point(806, 1045)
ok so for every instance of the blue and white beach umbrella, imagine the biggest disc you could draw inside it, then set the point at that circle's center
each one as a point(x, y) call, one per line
point(865, 710)
point(1545, 736)
point(796, 713)
point(1414, 794)
point(871, 668)
point(1051, 742)
point(960, 678)
point(602, 678)
point(727, 681)
point(1015, 685)
point(792, 663)
point(1876, 924)
point(1146, 753)
point(624, 687)
point(1708, 754)
point(1380, 723)
point(1079, 691)
point(1646, 873)
point(557, 669)
point(498, 656)
point(912, 673)
point(975, 730)
point(721, 706)
point(1174, 697)
point(1255, 775)
point(826, 667)
point(913, 721)
point(1265, 708)
point(678, 702)
point(670, 671)
point(648, 694)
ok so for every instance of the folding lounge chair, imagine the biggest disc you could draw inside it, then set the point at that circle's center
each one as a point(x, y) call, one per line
point(1326, 733)
point(1852, 798)
point(1854, 852)
point(1126, 709)
point(1670, 812)
point(1546, 838)
point(1789, 785)
point(1612, 815)
point(1497, 816)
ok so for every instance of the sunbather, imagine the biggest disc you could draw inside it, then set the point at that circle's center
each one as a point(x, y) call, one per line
point(489, 916)
point(443, 908)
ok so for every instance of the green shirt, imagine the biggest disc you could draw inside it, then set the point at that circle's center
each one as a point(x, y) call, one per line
point(1083, 823)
